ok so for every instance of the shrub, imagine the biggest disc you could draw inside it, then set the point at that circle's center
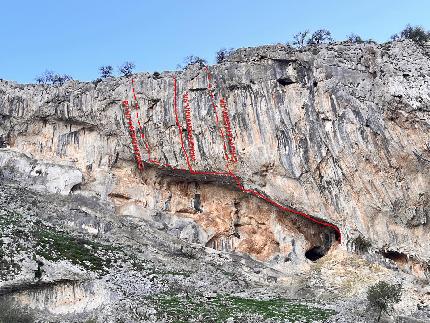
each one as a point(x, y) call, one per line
point(354, 38)
point(106, 71)
point(191, 60)
point(382, 296)
point(361, 244)
point(417, 34)
point(222, 54)
point(127, 68)
point(49, 77)
point(319, 37)
point(300, 39)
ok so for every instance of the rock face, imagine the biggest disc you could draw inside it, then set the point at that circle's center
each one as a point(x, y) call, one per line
point(340, 132)
point(38, 175)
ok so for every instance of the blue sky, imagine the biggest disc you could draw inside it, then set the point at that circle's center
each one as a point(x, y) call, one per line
point(77, 36)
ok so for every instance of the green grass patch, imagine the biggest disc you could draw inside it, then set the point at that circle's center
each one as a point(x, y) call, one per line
point(54, 246)
point(183, 308)
point(32, 236)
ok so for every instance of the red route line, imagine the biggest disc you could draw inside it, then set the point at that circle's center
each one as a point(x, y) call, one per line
point(175, 107)
point(138, 121)
point(214, 106)
point(132, 131)
point(228, 131)
point(187, 109)
point(229, 173)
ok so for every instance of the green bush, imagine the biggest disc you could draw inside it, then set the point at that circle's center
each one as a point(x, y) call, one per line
point(361, 244)
point(382, 296)
point(417, 34)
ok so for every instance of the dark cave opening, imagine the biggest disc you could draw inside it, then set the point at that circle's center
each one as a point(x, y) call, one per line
point(315, 253)
point(397, 257)
point(76, 188)
point(197, 203)
point(285, 81)
point(3, 142)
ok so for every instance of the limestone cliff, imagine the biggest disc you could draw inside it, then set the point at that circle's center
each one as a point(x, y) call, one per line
point(339, 132)
point(262, 157)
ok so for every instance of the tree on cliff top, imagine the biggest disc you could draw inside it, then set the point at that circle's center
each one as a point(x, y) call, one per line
point(354, 38)
point(191, 60)
point(222, 54)
point(417, 34)
point(49, 77)
point(319, 37)
point(106, 71)
point(127, 68)
point(300, 39)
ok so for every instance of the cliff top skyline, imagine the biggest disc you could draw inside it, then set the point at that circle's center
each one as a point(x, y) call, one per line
point(77, 38)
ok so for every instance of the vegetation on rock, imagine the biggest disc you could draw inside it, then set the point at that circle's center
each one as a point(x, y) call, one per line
point(382, 296)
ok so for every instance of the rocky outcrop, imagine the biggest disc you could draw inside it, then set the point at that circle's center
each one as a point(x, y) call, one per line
point(340, 132)
point(38, 175)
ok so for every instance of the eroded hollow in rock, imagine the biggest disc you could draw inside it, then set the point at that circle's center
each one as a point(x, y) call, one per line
point(75, 188)
point(315, 253)
point(397, 257)
point(226, 218)
point(197, 203)
point(285, 81)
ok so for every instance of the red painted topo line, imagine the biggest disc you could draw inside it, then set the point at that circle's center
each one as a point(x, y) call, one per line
point(175, 107)
point(229, 173)
point(228, 131)
point(142, 134)
point(187, 110)
point(133, 135)
point(214, 106)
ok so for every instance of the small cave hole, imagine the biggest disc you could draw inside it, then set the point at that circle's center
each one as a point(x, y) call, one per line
point(3, 142)
point(197, 203)
point(315, 253)
point(397, 257)
point(76, 188)
point(285, 81)
point(38, 272)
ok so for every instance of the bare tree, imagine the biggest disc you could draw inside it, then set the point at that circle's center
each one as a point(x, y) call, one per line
point(191, 60)
point(127, 68)
point(319, 37)
point(106, 71)
point(222, 54)
point(300, 39)
point(49, 77)
point(354, 38)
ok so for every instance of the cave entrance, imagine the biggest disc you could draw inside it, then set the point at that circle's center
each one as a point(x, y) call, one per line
point(315, 253)
point(398, 257)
